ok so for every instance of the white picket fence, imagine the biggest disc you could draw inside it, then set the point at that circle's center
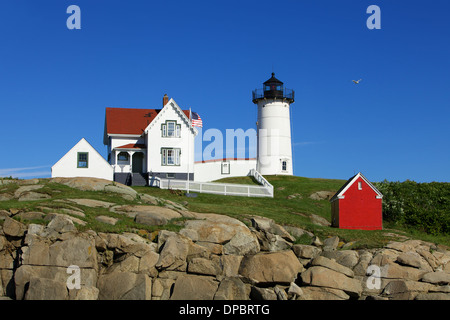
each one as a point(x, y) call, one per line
point(231, 189)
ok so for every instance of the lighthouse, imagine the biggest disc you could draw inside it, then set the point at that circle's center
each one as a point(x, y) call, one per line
point(274, 148)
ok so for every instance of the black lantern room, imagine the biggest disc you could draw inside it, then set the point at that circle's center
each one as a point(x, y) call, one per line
point(273, 89)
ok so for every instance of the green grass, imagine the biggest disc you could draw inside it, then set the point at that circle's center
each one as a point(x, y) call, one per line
point(294, 212)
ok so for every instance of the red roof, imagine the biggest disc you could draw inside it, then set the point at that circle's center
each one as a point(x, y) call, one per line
point(132, 146)
point(130, 121)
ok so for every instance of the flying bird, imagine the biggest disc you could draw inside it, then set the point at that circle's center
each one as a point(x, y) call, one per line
point(356, 81)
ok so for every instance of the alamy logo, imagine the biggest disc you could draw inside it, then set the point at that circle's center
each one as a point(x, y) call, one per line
point(374, 280)
point(74, 20)
point(74, 280)
point(374, 21)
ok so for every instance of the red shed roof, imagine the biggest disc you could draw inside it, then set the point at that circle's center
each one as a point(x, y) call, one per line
point(130, 121)
point(349, 182)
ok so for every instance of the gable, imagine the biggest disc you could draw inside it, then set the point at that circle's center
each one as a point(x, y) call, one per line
point(340, 194)
point(83, 146)
point(183, 116)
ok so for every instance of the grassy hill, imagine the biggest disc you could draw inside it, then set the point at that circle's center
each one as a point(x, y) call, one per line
point(291, 205)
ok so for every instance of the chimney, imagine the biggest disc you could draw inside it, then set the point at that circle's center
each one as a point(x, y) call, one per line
point(165, 99)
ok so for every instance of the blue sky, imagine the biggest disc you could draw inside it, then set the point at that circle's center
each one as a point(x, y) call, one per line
point(55, 83)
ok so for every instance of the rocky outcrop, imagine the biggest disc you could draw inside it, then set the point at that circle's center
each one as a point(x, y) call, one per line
point(212, 256)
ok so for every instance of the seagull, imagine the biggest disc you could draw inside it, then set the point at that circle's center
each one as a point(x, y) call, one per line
point(356, 81)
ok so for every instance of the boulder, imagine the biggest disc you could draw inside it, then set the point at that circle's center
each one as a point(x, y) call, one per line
point(269, 226)
point(191, 287)
point(23, 189)
point(437, 277)
point(306, 251)
point(174, 254)
point(232, 289)
point(395, 271)
point(433, 296)
point(13, 228)
point(124, 286)
point(33, 196)
point(276, 267)
point(108, 220)
point(125, 191)
point(241, 244)
point(323, 277)
point(262, 294)
point(204, 266)
point(148, 215)
point(413, 259)
point(322, 195)
point(60, 223)
point(347, 258)
point(46, 289)
point(31, 215)
point(330, 244)
point(91, 203)
point(322, 293)
point(321, 221)
point(333, 265)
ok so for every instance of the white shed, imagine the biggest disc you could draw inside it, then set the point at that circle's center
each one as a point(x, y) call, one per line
point(82, 161)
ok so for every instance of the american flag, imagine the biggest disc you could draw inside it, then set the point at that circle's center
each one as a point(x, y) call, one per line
point(196, 120)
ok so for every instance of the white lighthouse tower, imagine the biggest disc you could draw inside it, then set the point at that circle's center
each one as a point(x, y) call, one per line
point(274, 151)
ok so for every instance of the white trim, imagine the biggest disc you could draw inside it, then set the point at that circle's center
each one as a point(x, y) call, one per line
point(177, 109)
point(123, 135)
point(359, 175)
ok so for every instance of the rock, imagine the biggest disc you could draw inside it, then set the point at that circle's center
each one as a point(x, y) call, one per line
point(262, 294)
point(316, 241)
point(395, 271)
point(333, 265)
point(108, 220)
point(232, 289)
point(215, 228)
point(347, 258)
point(280, 292)
point(294, 196)
point(413, 259)
point(360, 268)
point(295, 289)
point(61, 223)
point(83, 183)
point(22, 190)
point(276, 267)
point(324, 277)
point(33, 196)
point(91, 203)
point(230, 265)
point(13, 228)
point(205, 266)
point(4, 214)
point(322, 195)
point(124, 286)
point(173, 254)
point(297, 232)
point(6, 196)
point(433, 296)
point(86, 293)
point(330, 244)
point(322, 293)
point(148, 215)
point(402, 286)
point(306, 251)
point(321, 221)
point(162, 288)
point(126, 192)
point(31, 215)
point(46, 289)
point(437, 277)
point(190, 287)
point(269, 226)
point(242, 244)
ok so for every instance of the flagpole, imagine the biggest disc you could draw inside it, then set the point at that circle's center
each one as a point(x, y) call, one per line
point(189, 146)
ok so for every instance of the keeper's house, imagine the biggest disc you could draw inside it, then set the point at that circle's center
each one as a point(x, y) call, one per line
point(357, 205)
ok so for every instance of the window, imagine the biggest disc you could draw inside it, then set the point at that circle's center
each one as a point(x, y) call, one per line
point(170, 157)
point(82, 159)
point(225, 168)
point(283, 165)
point(267, 88)
point(123, 156)
point(171, 129)
point(359, 185)
point(170, 175)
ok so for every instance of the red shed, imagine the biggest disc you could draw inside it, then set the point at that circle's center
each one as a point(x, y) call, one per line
point(357, 205)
